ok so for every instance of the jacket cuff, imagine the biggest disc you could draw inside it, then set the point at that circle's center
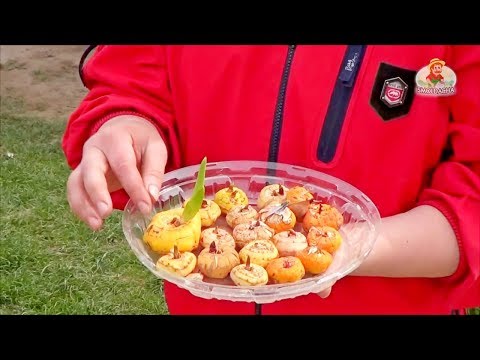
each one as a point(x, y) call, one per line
point(451, 218)
point(104, 119)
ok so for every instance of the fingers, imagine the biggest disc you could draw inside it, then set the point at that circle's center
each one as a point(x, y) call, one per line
point(154, 160)
point(79, 202)
point(110, 161)
point(122, 160)
point(95, 166)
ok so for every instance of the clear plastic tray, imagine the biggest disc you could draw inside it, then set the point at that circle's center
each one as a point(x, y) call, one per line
point(359, 231)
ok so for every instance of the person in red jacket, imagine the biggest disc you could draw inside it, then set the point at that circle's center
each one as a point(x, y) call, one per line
point(349, 111)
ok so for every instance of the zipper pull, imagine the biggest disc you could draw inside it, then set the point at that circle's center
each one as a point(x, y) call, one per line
point(350, 64)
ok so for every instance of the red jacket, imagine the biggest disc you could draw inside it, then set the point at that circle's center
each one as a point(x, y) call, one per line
point(320, 107)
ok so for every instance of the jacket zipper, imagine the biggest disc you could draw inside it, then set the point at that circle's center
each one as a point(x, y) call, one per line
point(277, 124)
point(279, 108)
point(337, 108)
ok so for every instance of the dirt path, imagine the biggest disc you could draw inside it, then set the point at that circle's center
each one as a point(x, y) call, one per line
point(40, 80)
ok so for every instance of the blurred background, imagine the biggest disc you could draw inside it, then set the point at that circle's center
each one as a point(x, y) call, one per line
point(50, 263)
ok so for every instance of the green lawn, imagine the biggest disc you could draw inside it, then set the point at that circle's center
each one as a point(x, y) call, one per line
point(51, 263)
point(475, 311)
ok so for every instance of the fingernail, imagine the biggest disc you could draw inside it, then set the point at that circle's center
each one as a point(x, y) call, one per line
point(94, 222)
point(102, 208)
point(154, 191)
point(144, 207)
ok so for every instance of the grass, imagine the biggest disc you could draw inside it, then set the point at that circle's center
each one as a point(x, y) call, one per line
point(50, 262)
point(44, 75)
point(39, 76)
point(13, 65)
point(475, 311)
point(9, 105)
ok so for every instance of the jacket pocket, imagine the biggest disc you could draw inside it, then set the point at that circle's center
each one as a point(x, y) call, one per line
point(393, 91)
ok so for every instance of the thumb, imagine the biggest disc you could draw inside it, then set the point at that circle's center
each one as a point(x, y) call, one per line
point(154, 159)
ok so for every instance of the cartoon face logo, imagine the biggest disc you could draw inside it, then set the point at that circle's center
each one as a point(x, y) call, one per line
point(436, 69)
point(435, 76)
point(436, 79)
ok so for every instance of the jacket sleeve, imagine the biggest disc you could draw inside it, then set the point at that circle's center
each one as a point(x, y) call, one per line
point(455, 184)
point(123, 80)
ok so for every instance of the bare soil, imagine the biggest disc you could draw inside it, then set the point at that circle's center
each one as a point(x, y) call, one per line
point(40, 81)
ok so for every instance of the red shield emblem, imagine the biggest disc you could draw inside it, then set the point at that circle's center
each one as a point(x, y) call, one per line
point(393, 92)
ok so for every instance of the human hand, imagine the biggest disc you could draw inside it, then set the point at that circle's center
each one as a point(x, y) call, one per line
point(126, 152)
point(356, 233)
